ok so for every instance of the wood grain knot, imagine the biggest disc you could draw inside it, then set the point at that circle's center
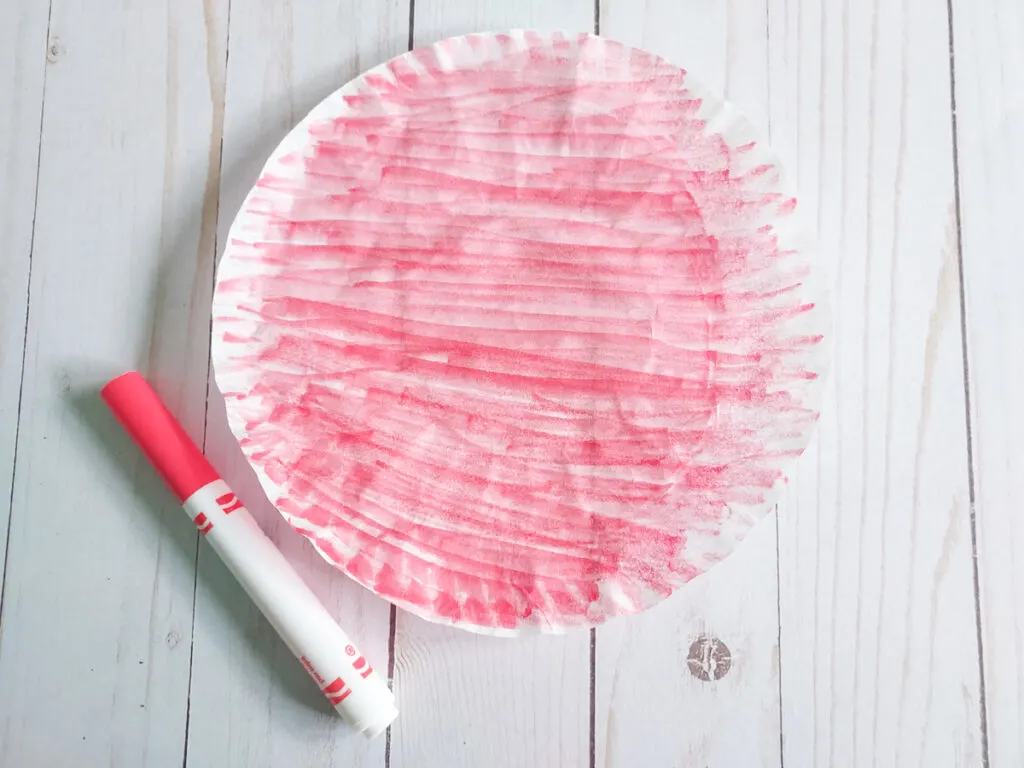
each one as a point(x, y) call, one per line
point(54, 50)
point(709, 658)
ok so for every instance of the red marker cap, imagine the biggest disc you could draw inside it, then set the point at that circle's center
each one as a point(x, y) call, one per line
point(141, 412)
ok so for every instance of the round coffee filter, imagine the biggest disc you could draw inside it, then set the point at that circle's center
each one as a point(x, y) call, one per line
point(520, 330)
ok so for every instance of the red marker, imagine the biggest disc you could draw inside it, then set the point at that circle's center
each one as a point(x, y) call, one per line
point(326, 652)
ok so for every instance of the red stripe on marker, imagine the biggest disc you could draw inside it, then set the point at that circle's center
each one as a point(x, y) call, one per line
point(336, 686)
point(229, 503)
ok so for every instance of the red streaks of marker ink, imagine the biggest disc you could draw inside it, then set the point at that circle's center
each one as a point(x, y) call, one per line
point(514, 335)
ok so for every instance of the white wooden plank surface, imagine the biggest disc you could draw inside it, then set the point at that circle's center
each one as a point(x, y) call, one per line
point(251, 703)
point(989, 40)
point(879, 658)
point(878, 653)
point(473, 700)
point(654, 705)
point(437, 19)
point(22, 66)
point(674, 718)
point(98, 608)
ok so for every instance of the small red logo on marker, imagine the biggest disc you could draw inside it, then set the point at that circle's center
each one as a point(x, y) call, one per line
point(203, 523)
point(359, 664)
point(312, 672)
point(229, 503)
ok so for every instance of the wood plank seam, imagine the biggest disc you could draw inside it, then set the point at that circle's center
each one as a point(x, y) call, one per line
point(778, 606)
point(775, 522)
point(24, 343)
point(593, 698)
point(393, 615)
point(875, 513)
point(989, 122)
point(250, 703)
point(958, 213)
point(392, 623)
point(412, 19)
point(211, 195)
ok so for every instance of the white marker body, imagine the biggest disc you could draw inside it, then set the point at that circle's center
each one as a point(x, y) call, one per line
point(343, 674)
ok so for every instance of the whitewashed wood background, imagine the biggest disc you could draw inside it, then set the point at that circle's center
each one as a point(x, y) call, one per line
point(878, 621)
